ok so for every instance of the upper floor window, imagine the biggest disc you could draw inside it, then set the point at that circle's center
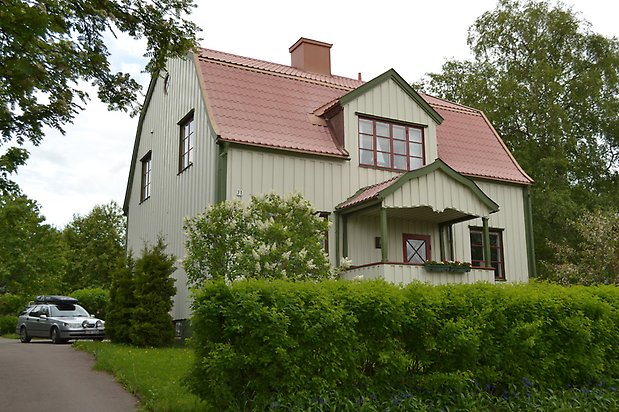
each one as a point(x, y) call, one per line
point(146, 176)
point(186, 142)
point(496, 251)
point(392, 146)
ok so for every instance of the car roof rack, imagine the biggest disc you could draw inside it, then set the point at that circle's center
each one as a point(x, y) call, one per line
point(55, 299)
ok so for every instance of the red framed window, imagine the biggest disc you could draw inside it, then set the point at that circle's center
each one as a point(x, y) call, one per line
point(147, 167)
point(416, 248)
point(496, 251)
point(390, 145)
point(186, 142)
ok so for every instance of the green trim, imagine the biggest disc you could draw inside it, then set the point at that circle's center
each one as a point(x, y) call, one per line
point(136, 144)
point(384, 236)
point(284, 151)
point(487, 250)
point(438, 164)
point(528, 227)
point(221, 179)
point(441, 240)
point(345, 236)
point(393, 75)
point(337, 238)
point(374, 203)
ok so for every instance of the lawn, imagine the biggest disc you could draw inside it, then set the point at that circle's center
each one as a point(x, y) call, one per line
point(155, 376)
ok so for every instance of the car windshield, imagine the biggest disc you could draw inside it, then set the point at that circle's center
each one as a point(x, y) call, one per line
point(68, 311)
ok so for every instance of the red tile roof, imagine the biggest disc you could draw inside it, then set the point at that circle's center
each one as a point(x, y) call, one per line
point(368, 193)
point(266, 104)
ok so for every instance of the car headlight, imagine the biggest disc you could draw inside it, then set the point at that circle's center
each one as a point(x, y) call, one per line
point(99, 324)
point(85, 324)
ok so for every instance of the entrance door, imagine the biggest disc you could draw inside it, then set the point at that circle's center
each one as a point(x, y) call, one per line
point(416, 248)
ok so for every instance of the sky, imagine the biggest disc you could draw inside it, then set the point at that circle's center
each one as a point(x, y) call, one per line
point(89, 165)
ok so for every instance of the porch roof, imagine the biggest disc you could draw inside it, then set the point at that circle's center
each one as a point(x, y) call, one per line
point(436, 191)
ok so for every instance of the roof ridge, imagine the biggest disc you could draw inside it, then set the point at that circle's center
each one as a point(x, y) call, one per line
point(458, 110)
point(463, 106)
point(278, 69)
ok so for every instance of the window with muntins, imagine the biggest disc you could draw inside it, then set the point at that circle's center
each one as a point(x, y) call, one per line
point(416, 248)
point(186, 142)
point(390, 145)
point(146, 177)
point(496, 251)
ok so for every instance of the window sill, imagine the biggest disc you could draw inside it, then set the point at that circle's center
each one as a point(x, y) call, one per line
point(144, 200)
point(183, 170)
point(387, 169)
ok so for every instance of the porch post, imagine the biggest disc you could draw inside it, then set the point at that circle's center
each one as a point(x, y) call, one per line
point(345, 236)
point(384, 235)
point(487, 260)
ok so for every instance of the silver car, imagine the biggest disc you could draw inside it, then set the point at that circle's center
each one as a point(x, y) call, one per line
point(60, 319)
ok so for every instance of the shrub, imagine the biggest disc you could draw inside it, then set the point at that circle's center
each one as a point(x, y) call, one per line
point(151, 323)
point(94, 300)
point(11, 304)
point(122, 301)
point(271, 238)
point(7, 324)
point(259, 342)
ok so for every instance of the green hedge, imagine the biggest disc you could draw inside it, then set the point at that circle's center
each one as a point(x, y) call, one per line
point(11, 304)
point(7, 324)
point(261, 342)
point(94, 300)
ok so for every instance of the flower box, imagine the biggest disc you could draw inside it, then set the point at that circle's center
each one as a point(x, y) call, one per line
point(447, 267)
point(437, 268)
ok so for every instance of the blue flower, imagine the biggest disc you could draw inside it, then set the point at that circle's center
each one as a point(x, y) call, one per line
point(274, 405)
point(322, 401)
point(373, 396)
point(527, 382)
point(359, 402)
point(613, 389)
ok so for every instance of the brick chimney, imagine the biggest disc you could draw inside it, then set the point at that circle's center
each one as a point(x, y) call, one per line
point(311, 56)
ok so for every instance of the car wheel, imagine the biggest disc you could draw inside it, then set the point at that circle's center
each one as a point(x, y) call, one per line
point(55, 335)
point(23, 335)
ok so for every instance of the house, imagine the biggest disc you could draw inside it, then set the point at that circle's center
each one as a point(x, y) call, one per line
point(404, 177)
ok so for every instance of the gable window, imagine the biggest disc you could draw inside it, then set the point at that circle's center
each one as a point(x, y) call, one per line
point(389, 145)
point(146, 176)
point(496, 251)
point(416, 248)
point(187, 138)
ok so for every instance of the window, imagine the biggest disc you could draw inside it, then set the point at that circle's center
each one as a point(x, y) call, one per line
point(186, 142)
point(146, 176)
point(496, 251)
point(416, 248)
point(389, 145)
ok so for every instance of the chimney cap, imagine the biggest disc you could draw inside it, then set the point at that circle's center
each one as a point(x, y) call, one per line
point(309, 41)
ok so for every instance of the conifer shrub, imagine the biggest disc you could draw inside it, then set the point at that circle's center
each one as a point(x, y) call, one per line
point(122, 301)
point(151, 323)
point(261, 343)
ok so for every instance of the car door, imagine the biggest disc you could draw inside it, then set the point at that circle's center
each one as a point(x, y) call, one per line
point(32, 321)
point(44, 323)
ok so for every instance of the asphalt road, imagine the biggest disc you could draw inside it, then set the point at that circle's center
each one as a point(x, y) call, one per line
point(39, 376)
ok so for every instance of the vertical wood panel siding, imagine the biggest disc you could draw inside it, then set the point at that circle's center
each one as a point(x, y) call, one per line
point(511, 219)
point(405, 274)
point(174, 196)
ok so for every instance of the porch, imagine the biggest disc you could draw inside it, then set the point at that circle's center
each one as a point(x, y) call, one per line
point(405, 273)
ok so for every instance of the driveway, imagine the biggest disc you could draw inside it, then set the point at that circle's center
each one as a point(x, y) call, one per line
point(39, 376)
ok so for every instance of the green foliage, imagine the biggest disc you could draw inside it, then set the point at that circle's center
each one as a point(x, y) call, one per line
point(596, 260)
point(7, 324)
point(11, 304)
point(271, 238)
point(550, 86)
point(259, 342)
point(49, 48)
point(94, 243)
point(151, 323)
point(122, 301)
point(32, 253)
point(94, 300)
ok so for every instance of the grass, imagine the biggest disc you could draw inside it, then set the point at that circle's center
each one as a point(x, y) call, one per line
point(155, 376)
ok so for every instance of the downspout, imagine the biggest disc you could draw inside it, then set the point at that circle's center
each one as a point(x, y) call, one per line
point(528, 227)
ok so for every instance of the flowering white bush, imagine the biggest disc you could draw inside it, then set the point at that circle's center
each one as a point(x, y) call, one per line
point(271, 238)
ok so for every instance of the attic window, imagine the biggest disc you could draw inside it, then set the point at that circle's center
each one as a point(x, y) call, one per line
point(146, 176)
point(390, 145)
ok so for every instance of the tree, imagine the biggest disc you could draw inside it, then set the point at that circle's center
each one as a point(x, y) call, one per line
point(119, 312)
point(271, 238)
point(94, 242)
point(48, 46)
point(550, 86)
point(151, 323)
point(31, 252)
point(596, 261)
